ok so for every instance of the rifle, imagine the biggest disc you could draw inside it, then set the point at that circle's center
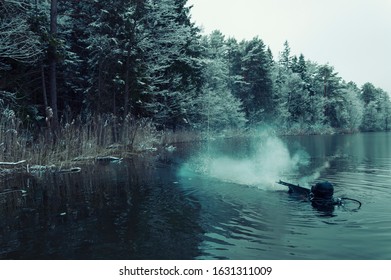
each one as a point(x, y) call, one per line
point(295, 188)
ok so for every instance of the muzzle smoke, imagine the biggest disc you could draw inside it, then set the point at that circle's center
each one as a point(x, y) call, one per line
point(269, 162)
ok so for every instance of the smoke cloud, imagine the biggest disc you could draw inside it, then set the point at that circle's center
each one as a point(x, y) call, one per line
point(269, 161)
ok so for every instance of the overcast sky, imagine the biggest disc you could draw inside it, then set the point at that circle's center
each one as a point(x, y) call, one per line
point(354, 36)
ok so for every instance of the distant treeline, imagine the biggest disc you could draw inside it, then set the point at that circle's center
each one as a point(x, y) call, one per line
point(146, 59)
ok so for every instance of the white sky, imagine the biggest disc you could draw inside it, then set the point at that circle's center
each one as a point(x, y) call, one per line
point(354, 36)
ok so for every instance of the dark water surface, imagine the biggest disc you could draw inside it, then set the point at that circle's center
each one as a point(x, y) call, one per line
point(152, 208)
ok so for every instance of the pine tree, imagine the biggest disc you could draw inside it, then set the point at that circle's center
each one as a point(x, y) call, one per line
point(302, 67)
point(368, 93)
point(285, 59)
point(235, 71)
point(172, 66)
point(376, 108)
point(317, 100)
point(332, 92)
point(351, 114)
point(257, 94)
point(218, 107)
point(116, 39)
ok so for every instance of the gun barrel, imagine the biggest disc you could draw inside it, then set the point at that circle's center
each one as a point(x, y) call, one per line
point(294, 188)
point(286, 184)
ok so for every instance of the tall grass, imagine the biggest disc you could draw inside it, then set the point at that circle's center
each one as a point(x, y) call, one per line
point(100, 135)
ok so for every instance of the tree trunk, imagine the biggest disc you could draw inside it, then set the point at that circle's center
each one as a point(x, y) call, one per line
point(126, 93)
point(100, 87)
point(45, 98)
point(53, 62)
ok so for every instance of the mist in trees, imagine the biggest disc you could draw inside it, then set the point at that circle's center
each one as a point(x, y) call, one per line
point(146, 59)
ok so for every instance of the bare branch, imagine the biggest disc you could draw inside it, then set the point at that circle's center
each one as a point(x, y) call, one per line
point(17, 42)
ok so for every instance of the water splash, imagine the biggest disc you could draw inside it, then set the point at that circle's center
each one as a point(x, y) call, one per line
point(269, 161)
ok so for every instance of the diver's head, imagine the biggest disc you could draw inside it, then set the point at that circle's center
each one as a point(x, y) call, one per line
point(324, 190)
point(322, 197)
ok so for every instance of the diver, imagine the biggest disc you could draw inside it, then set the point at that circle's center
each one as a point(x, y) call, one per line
point(320, 195)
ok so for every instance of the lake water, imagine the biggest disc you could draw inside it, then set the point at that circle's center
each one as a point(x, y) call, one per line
point(215, 200)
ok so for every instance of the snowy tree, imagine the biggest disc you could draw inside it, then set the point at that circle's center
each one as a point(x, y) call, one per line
point(146, 58)
point(332, 90)
point(116, 39)
point(234, 55)
point(285, 58)
point(387, 112)
point(298, 100)
point(369, 93)
point(219, 110)
point(376, 108)
point(281, 96)
point(17, 41)
point(21, 51)
point(370, 120)
point(218, 107)
point(292, 99)
point(350, 112)
point(256, 95)
point(171, 63)
point(317, 99)
point(299, 66)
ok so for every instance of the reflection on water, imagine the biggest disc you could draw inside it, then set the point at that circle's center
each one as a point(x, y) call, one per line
point(114, 211)
point(145, 208)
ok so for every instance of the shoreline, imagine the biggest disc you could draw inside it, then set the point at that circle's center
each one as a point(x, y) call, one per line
point(96, 140)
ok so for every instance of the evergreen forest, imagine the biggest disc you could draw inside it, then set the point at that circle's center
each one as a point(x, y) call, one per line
point(143, 65)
